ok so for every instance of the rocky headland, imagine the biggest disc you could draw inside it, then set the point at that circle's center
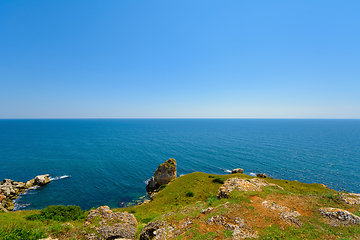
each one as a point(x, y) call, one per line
point(164, 174)
point(208, 206)
point(10, 190)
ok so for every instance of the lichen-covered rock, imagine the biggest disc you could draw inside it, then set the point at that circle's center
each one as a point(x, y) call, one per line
point(153, 230)
point(240, 184)
point(284, 212)
point(351, 198)
point(204, 211)
point(237, 170)
point(7, 182)
point(339, 216)
point(30, 183)
point(113, 225)
point(261, 175)
point(42, 179)
point(166, 172)
point(238, 226)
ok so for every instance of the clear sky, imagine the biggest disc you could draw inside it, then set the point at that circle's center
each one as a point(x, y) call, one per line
point(179, 59)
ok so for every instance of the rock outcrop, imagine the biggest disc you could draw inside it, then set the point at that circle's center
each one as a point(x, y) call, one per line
point(261, 175)
point(237, 170)
point(284, 212)
point(153, 230)
point(236, 225)
point(351, 198)
point(240, 184)
point(152, 185)
point(337, 217)
point(113, 225)
point(163, 175)
point(10, 190)
point(166, 172)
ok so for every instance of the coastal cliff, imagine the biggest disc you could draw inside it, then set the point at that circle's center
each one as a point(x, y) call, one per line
point(208, 206)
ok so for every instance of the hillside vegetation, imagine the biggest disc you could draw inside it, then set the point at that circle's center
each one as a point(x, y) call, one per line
point(188, 208)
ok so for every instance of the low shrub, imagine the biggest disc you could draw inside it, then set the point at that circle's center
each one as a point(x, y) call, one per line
point(218, 180)
point(59, 213)
point(189, 194)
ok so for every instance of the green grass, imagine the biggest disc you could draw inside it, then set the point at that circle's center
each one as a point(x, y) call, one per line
point(21, 233)
point(174, 195)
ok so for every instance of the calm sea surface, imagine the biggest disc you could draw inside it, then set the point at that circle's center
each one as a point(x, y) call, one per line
point(107, 162)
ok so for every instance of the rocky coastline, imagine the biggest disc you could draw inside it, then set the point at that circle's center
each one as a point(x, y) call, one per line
point(246, 205)
point(10, 190)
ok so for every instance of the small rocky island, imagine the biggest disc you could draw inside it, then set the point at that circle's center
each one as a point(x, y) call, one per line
point(206, 206)
point(163, 175)
point(10, 190)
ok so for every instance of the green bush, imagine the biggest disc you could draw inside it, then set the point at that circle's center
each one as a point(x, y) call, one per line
point(218, 180)
point(189, 194)
point(59, 213)
point(19, 233)
point(162, 187)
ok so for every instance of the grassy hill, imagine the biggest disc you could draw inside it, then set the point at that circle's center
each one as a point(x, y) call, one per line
point(188, 207)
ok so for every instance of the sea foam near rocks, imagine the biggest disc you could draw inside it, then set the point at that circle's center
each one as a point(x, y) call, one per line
point(59, 177)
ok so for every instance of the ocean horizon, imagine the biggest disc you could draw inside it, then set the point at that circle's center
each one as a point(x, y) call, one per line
point(94, 162)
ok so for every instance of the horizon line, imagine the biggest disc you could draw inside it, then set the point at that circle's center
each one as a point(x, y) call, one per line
point(110, 118)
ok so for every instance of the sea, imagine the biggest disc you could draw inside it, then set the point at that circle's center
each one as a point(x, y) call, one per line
point(96, 162)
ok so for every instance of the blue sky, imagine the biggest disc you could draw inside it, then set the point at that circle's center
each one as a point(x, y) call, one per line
point(179, 59)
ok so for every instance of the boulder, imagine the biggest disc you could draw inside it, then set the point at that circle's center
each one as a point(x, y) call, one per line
point(113, 225)
point(7, 191)
point(166, 172)
point(237, 170)
point(152, 185)
point(245, 185)
point(7, 182)
point(261, 175)
point(42, 179)
point(19, 185)
point(151, 231)
point(30, 183)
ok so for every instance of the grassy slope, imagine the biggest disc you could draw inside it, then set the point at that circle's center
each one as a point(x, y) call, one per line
point(173, 198)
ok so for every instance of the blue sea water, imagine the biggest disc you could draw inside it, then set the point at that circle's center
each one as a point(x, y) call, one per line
point(96, 162)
